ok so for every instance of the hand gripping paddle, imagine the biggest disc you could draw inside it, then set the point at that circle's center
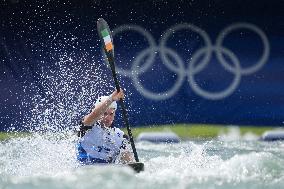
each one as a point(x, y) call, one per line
point(107, 43)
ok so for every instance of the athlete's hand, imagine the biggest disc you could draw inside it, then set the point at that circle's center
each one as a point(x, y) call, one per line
point(115, 96)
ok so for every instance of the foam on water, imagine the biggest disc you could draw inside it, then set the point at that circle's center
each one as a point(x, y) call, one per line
point(36, 155)
point(39, 161)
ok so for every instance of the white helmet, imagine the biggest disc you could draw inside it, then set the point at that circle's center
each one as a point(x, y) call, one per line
point(105, 98)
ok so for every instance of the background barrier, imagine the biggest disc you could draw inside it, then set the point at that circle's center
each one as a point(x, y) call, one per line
point(180, 62)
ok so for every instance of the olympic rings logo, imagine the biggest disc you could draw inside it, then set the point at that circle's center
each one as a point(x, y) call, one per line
point(193, 68)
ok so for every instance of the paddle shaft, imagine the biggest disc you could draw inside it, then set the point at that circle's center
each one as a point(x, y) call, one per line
point(121, 102)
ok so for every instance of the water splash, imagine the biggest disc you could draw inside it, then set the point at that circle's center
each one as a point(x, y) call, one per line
point(70, 88)
point(234, 133)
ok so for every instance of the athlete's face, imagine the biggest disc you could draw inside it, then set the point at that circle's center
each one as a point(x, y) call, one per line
point(108, 117)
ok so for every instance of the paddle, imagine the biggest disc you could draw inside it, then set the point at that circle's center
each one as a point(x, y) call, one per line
point(107, 42)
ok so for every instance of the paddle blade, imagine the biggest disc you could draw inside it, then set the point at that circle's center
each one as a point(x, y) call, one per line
point(105, 36)
point(137, 166)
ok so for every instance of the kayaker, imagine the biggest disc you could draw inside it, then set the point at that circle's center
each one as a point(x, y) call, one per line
point(101, 141)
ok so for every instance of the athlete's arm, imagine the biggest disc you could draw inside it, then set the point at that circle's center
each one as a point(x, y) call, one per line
point(101, 108)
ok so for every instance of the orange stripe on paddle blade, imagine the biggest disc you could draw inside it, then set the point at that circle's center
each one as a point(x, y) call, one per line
point(109, 46)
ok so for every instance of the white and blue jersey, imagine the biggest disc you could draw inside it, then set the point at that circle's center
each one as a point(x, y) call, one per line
point(101, 145)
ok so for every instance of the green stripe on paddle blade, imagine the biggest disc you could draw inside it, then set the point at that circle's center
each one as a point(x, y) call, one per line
point(104, 32)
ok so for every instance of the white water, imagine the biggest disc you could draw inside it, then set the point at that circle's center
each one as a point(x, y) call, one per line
point(46, 161)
